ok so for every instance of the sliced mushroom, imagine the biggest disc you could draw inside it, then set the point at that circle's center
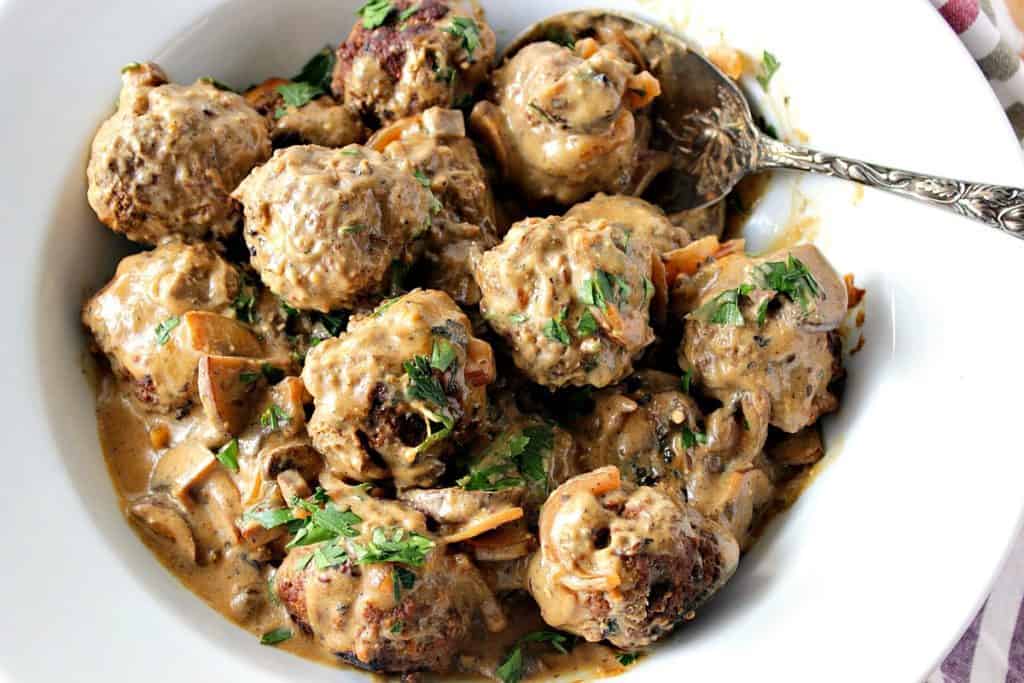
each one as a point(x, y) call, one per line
point(293, 454)
point(458, 506)
point(509, 542)
point(802, 448)
point(503, 577)
point(181, 468)
point(444, 123)
point(219, 335)
point(228, 389)
point(166, 522)
point(293, 485)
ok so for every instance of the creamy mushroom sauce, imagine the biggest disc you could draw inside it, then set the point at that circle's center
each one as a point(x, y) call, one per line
point(408, 413)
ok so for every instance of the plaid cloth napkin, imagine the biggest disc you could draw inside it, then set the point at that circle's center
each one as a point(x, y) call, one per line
point(992, 648)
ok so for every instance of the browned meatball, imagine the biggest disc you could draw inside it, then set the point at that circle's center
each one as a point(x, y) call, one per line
point(642, 219)
point(623, 563)
point(562, 123)
point(166, 162)
point(381, 614)
point(325, 226)
point(398, 390)
point(766, 326)
point(433, 145)
point(571, 298)
point(416, 56)
point(653, 431)
point(321, 121)
point(141, 319)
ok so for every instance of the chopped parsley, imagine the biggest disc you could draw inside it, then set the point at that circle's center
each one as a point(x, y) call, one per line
point(269, 519)
point(540, 439)
point(409, 11)
point(402, 579)
point(560, 37)
point(493, 478)
point(163, 330)
point(465, 28)
point(543, 114)
point(790, 277)
point(319, 70)
point(353, 229)
point(273, 416)
point(556, 330)
point(329, 555)
point(219, 85)
point(278, 635)
point(422, 383)
point(319, 524)
point(245, 303)
point(422, 177)
point(403, 547)
point(442, 355)
point(627, 658)
point(648, 290)
point(397, 626)
point(519, 457)
point(385, 305)
point(333, 322)
point(273, 373)
point(692, 438)
point(769, 65)
point(228, 455)
point(351, 152)
point(587, 324)
point(511, 668)
point(299, 94)
point(288, 310)
point(724, 309)
point(375, 13)
point(604, 288)
point(762, 312)
point(686, 380)
point(517, 318)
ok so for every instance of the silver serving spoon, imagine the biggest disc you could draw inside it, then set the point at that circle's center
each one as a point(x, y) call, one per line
point(704, 119)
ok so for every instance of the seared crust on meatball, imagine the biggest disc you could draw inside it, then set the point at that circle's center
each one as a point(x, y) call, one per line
point(423, 54)
point(324, 226)
point(786, 346)
point(433, 145)
point(623, 563)
point(396, 391)
point(356, 611)
point(166, 162)
point(563, 122)
point(571, 298)
point(136, 319)
point(322, 121)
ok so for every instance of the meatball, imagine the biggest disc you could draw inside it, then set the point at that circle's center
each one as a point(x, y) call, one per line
point(379, 614)
point(654, 432)
point(322, 121)
point(572, 299)
point(624, 563)
point(418, 55)
point(563, 124)
point(433, 145)
point(766, 326)
point(324, 226)
point(166, 162)
point(397, 391)
point(640, 218)
point(137, 318)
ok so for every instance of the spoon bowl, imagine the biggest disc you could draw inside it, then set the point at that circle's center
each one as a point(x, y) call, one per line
point(703, 119)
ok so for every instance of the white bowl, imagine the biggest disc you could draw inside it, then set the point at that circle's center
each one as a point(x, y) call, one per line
point(872, 574)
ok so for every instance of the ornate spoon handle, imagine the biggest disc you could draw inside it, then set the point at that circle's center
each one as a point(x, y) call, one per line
point(996, 205)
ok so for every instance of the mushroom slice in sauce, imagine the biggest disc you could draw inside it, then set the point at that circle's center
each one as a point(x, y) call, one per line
point(166, 522)
point(228, 389)
point(181, 468)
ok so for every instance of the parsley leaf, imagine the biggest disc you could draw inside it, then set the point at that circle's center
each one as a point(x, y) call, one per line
point(397, 626)
point(289, 310)
point(245, 303)
point(540, 439)
point(769, 65)
point(402, 578)
point(273, 416)
point(442, 355)
point(375, 13)
point(511, 669)
point(422, 383)
point(278, 635)
point(627, 658)
point(333, 322)
point(409, 11)
point(724, 309)
point(494, 478)
point(517, 318)
point(299, 94)
point(556, 330)
point(560, 38)
point(228, 455)
point(269, 519)
point(465, 28)
point(404, 547)
point(422, 177)
point(604, 287)
point(692, 438)
point(686, 380)
point(319, 70)
point(587, 324)
point(163, 330)
point(790, 277)
point(648, 290)
point(322, 524)
point(329, 555)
